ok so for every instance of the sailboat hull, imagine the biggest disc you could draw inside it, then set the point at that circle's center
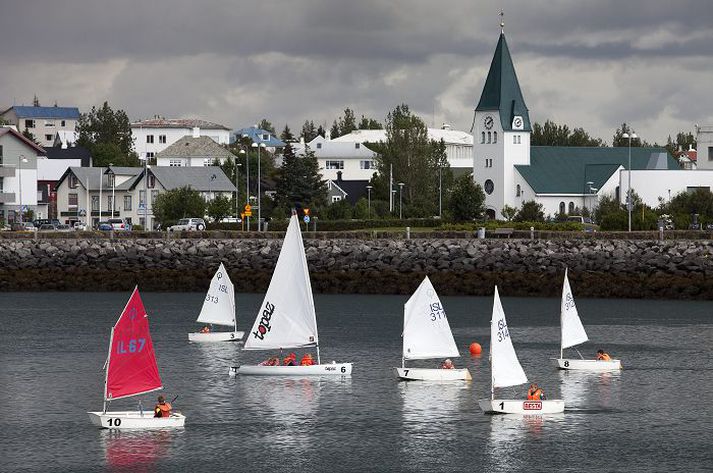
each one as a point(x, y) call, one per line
point(519, 406)
point(135, 420)
point(433, 374)
point(587, 365)
point(212, 337)
point(332, 369)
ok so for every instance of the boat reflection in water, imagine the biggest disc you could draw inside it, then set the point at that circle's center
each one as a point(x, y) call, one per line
point(136, 450)
point(590, 391)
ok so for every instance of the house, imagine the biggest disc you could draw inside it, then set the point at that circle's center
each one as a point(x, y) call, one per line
point(18, 174)
point(459, 144)
point(259, 136)
point(49, 172)
point(192, 151)
point(353, 160)
point(350, 190)
point(42, 122)
point(156, 134)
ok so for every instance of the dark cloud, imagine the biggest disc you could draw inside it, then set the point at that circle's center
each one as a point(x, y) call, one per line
point(594, 64)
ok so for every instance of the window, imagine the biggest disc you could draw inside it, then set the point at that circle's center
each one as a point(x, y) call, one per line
point(489, 187)
point(150, 154)
point(110, 179)
point(562, 207)
point(495, 137)
point(48, 123)
point(357, 145)
point(95, 203)
point(63, 123)
point(29, 123)
point(152, 181)
point(519, 139)
point(127, 202)
point(518, 191)
point(142, 199)
point(336, 198)
point(366, 164)
point(162, 139)
point(1, 184)
point(176, 163)
point(109, 203)
point(48, 137)
point(490, 137)
point(710, 153)
point(149, 139)
point(154, 194)
point(482, 137)
point(334, 165)
point(0, 154)
point(571, 207)
point(319, 145)
point(207, 161)
point(72, 200)
point(514, 139)
point(265, 137)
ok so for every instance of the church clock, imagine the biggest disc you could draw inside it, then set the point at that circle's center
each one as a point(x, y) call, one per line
point(488, 122)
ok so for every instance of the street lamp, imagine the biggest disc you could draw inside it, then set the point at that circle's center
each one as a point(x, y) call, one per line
point(111, 176)
point(629, 203)
point(259, 199)
point(237, 190)
point(591, 190)
point(368, 190)
point(401, 191)
point(22, 159)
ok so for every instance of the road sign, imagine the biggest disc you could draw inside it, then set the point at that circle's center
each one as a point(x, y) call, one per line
point(306, 218)
point(306, 211)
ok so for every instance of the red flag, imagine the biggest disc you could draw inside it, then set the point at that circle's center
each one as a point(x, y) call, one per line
point(132, 365)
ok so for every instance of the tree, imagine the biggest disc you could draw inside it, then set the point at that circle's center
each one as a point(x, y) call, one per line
point(361, 209)
point(107, 135)
point(369, 124)
point(340, 210)
point(344, 125)
point(265, 124)
point(530, 211)
point(30, 136)
point(334, 131)
point(173, 205)
point(321, 131)
point(684, 140)
point(286, 134)
point(467, 199)
point(309, 132)
point(620, 141)
point(551, 134)
point(299, 182)
point(508, 212)
point(219, 208)
point(35, 101)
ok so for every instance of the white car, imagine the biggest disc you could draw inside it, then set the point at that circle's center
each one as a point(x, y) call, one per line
point(80, 226)
point(188, 224)
point(119, 224)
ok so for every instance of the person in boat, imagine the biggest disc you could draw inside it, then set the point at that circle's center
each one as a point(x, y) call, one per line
point(603, 356)
point(447, 365)
point(163, 408)
point(272, 361)
point(307, 360)
point(205, 329)
point(291, 360)
point(535, 393)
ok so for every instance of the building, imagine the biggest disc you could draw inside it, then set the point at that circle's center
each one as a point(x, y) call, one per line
point(65, 138)
point(88, 194)
point(42, 122)
point(18, 174)
point(192, 151)
point(260, 137)
point(353, 160)
point(350, 190)
point(459, 144)
point(154, 135)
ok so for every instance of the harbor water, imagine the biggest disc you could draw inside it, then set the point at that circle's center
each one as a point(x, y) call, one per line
point(654, 415)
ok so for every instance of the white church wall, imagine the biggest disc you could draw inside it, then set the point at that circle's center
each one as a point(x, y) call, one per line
point(653, 185)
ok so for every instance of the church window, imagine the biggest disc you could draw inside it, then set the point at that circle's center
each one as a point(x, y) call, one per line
point(514, 139)
point(562, 207)
point(495, 137)
point(571, 207)
point(518, 191)
point(490, 137)
point(710, 153)
point(482, 137)
point(489, 187)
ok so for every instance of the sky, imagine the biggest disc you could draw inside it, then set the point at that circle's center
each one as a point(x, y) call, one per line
point(592, 64)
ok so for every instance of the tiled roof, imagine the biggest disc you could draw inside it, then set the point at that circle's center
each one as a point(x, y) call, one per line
point(188, 123)
point(23, 111)
point(566, 170)
point(355, 189)
point(200, 178)
point(201, 147)
point(257, 135)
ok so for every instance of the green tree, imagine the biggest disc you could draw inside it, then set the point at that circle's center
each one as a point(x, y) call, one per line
point(265, 124)
point(508, 212)
point(684, 204)
point(309, 132)
point(467, 199)
point(530, 211)
point(219, 208)
point(552, 134)
point(620, 141)
point(299, 182)
point(173, 205)
point(340, 210)
point(684, 140)
point(321, 131)
point(369, 124)
point(28, 134)
point(286, 134)
point(107, 135)
point(361, 209)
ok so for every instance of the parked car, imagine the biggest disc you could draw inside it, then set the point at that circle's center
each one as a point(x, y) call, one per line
point(80, 226)
point(63, 227)
point(119, 224)
point(104, 227)
point(41, 221)
point(47, 227)
point(188, 224)
point(23, 227)
point(587, 224)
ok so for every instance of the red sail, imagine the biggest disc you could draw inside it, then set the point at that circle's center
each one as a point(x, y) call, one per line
point(132, 365)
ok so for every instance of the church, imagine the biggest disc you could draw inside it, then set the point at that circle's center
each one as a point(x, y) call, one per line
point(562, 179)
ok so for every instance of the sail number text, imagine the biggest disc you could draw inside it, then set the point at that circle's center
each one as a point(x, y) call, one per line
point(214, 299)
point(437, 312)
point(502, 330)
point(135, 345)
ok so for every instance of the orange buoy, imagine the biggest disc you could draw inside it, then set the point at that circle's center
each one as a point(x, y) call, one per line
point(475, 348)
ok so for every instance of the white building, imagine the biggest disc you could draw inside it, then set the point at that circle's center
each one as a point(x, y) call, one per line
point(42, 122)
point(351, 159)
point(459, 144)
point(193, 151)
point(154, 135)
point(18, 174)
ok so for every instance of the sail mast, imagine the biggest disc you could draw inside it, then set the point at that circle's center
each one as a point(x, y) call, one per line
point(106, 366)
point(562, 318)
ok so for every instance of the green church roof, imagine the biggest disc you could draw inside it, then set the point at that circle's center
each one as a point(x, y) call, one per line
point(566, 170)
point(502, 90)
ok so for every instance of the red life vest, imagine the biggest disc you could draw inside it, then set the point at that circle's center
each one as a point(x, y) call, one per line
point(535, 395)
point(162, 410)
point(603, 357)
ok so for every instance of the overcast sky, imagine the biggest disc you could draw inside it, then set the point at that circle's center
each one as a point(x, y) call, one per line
point(592, 63)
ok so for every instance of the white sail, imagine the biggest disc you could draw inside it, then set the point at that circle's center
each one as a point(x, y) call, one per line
point(287, 318)
point(572, 330)
point(219, 304)
point(426, 330)
point(506, 369)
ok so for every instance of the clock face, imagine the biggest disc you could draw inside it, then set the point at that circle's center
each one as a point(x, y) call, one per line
point(517, 123)
point(488, 122)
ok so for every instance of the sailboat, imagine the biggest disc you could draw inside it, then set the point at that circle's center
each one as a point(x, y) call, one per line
point(427, 335)
point(218, 309)
point(505, 370)
point(131, 370)
point(573, 334)
point(287, 317)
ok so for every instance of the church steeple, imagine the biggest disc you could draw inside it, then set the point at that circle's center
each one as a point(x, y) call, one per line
point(502, 89)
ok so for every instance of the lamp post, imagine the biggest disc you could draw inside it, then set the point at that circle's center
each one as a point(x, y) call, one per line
point(591, 191)
point(22, 159)
point(237, 189)
point(401, 191)
point(259, 199)
point(629, 203)
point(111, 175)
point(368, 190)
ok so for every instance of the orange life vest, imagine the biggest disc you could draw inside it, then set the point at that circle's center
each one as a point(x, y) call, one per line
point(535, 395)
point(289, 361)
point(604, 357)
point(162, 410)
point(307, 361)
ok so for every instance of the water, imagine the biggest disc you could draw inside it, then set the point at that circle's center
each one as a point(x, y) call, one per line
point(653, 416)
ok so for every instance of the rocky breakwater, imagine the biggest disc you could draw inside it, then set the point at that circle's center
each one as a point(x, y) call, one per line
point(598, 268)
